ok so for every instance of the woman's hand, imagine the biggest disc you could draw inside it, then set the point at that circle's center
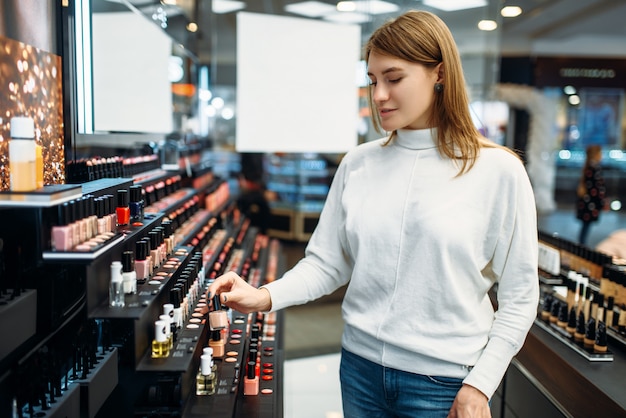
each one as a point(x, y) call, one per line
point(470, 403)
point(237, 294)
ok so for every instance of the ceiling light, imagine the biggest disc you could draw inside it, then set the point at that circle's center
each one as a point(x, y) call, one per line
point(227, 6)
point(375, 7)
point(192, 27)
point(487, 25)
point(511, 11)
point(347, 17)
point(452, 5)
point(310, 8)
point(346, 6)
point(169, 2)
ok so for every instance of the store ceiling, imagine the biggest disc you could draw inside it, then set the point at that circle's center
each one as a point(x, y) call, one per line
point(544, 27)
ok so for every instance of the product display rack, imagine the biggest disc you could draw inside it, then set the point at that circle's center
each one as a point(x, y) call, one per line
point(92, 360)
point(301, 183)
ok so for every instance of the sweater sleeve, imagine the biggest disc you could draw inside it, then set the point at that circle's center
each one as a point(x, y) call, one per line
point(327, 264)
point(515, 265)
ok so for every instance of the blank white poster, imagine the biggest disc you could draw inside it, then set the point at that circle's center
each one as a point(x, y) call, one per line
point(296, 88)
point(131, 87)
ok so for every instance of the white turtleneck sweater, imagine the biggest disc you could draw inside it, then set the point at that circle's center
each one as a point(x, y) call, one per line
point(420, 249)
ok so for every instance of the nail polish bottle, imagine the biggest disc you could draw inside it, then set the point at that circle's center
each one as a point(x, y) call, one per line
point(175, 299)
point(149, 256)
point(74, 228)
point(111, 212)
point(62, 232)
point(129, 276)
point(168, 331)
point(168, 309)
point(217, 344)
point(600, 344)
point(116, 287)
point(142, 268)
point(103, 227)
point(610, 305)
point(136, 204)
point(167, 234)
point(92, 218)
point(206, 377)
point(217, 317)
point(122, 210)
point(160, 344)
point(154, 249)
point(251, 381)
point(81, 220)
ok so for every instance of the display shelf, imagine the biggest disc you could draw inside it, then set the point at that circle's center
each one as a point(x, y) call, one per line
point(23, 324)
point(46, 196)
point(568, 340)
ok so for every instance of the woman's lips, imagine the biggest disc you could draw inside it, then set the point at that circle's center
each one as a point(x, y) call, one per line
point(386, 112)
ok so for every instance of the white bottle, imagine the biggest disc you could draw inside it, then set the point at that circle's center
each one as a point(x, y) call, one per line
point(129, 275)
point(116, 288)
point(23, 155)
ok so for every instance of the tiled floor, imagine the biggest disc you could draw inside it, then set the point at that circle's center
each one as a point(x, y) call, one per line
point(312, 387)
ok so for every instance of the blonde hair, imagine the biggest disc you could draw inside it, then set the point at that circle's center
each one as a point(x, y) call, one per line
point(423, 38)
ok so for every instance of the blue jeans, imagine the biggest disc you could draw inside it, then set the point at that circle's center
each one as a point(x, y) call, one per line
point(369, 390)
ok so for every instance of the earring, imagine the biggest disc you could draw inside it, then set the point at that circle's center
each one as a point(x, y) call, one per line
point(438, 87)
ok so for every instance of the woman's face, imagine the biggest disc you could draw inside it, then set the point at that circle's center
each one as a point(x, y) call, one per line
point(402, 91)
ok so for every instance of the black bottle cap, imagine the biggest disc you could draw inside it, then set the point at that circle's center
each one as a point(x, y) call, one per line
point(128, 262)
point(601, 335)
point(148, 243)
point(122, 198)
point(135, 193)
point(217, 305)
point(175, 297)
point(252, 354)
point(167, 228)
point(100, 207)
point(251, 373)
point(91, 205)
point(80, 208)
point(154, 239)
point(580, 323)
point(141, 250)
point(571, 322)
point(216, 335)
point(160, 234)
point(63, 214)
point(72, 210)
point(590, 329)
point(110, 206)
point(610, 303)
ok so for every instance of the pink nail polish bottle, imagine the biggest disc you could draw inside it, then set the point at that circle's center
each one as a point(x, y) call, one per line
point(251, 381)
point(62, 237)
point(217, 317)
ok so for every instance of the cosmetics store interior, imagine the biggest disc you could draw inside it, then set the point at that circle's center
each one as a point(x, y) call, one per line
point(148, 146)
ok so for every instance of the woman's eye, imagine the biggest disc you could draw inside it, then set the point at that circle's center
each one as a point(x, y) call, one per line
point(397, 80)
point(372, 83)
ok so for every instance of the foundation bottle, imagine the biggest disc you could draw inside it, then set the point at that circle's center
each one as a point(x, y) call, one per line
point(217, 344)
point(62, 232)
point(251, 381)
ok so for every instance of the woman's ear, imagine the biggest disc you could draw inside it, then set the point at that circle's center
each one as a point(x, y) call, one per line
point(440, 73)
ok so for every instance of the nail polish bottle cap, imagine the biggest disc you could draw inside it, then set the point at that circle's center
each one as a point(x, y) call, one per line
point(251, 373)
point(122, 198)
point(22, 127)
point(128, 262)
point(610, 302)
point(148, 244)
point(167, 228)
point(168, 309)
point(601, 334)
point(135, 193)
point(141, 250)
point(100, 207)
point(160, 330)
point(166, 318)
point(90, 205)
point(64, 214)
point(80, 208)
point(72, 210)
point(217, 305)
point(154, 239)
point(206, 363)
point(175, 297)
point(216, 335)
point(252, 355)
point(207, 351)
point(116, 271)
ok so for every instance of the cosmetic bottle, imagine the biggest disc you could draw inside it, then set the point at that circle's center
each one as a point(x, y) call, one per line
point(217, 317)
point(590, 333)
point(62, 232)
point(116, 288)
point(168, 331)
point(168, 309)
point(129, 276)
point(103, 227)
point(600, 344)
point(92, 217)
point(571, 322)
point(81, 221)
point(251, 381)
point(217, 344)
point(154, 249)
point(579, 334)
point(168, 237)
point(122, 210)
point(149, 256)
point(610, 305)
point(176, 299)
point(160, 344)
point(22, 155)
point(206, 377)
point(142, 269)
point(111, 212)
point(136, 204)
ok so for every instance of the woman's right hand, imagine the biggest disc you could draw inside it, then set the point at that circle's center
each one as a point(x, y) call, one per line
point(237, 294)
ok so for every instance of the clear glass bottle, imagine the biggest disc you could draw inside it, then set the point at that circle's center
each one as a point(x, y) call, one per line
point(116, 287)
point(160, 344)
point(207, 377)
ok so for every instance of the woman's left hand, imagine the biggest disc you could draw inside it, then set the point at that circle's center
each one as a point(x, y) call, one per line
point(470, 403)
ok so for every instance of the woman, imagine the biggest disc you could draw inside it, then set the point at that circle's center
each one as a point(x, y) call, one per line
point(590, 192)
point(420, 224)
